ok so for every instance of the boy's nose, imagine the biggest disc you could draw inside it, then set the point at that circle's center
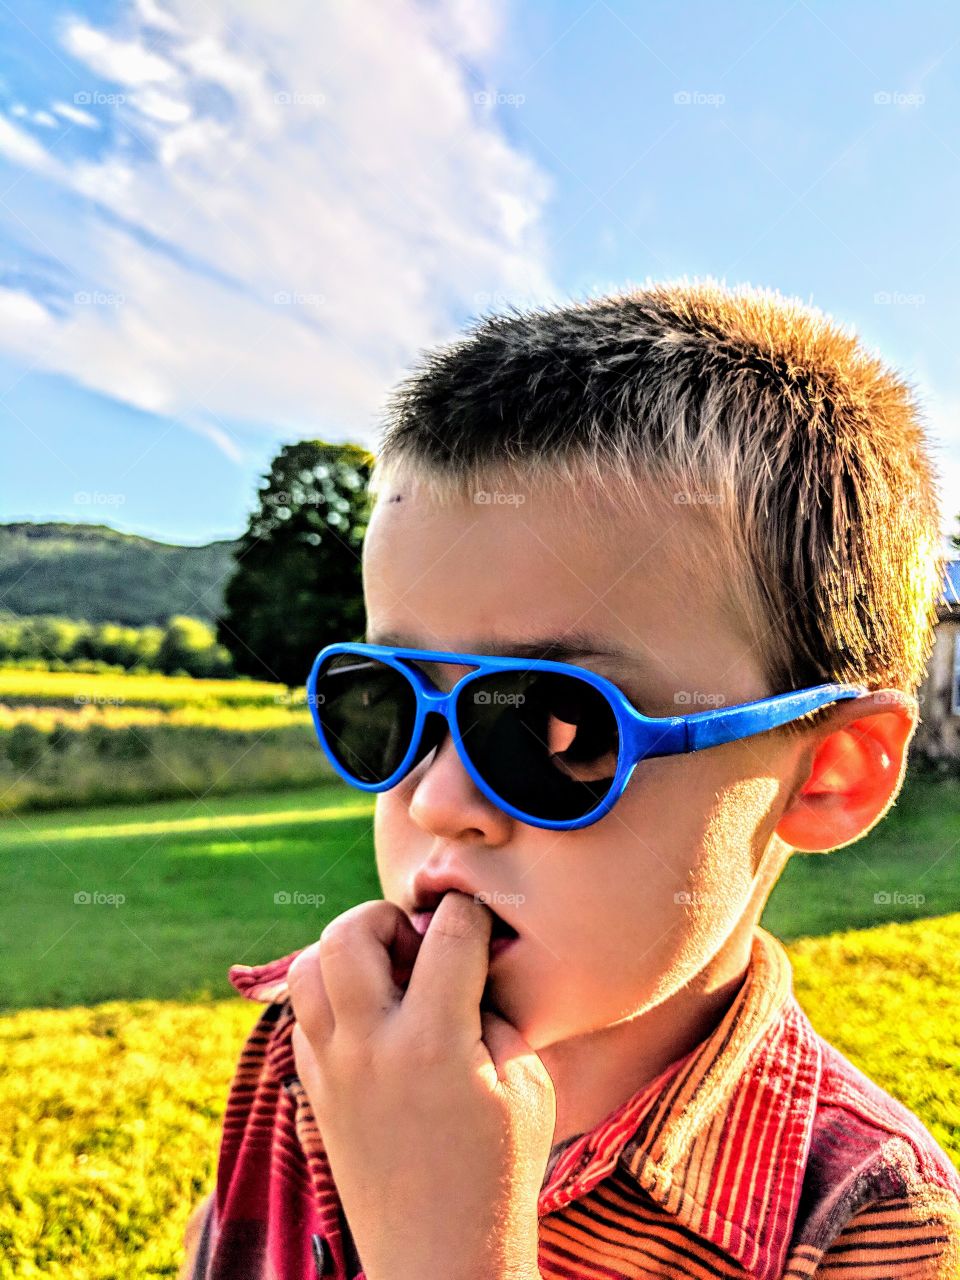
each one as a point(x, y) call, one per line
point(435, 729)
point(445, 799)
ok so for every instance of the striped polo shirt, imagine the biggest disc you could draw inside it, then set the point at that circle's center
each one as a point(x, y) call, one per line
point(761, 1153)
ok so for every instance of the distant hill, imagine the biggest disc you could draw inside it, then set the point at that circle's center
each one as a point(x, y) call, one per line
point(93, 572)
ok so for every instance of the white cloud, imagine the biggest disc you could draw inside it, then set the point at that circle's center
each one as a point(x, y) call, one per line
point(124, 61)
point(75, 115)
point(299, 151)
point(25, 151)
point(156, 16)
point(22, 317)
point(161, 106)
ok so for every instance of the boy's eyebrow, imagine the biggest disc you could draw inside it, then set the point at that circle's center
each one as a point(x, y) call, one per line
point(573, 644)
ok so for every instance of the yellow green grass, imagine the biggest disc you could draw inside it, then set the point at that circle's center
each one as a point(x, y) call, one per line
point(109, 1125)
point(108, 1131)
point(69, 739)
point(109, 1116)
point(227, 717)
point(75, 688)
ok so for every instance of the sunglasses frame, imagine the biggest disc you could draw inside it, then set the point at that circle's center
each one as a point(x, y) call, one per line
point(641, 737)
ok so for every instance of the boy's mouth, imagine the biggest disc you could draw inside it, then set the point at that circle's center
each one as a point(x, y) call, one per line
point(502, 934)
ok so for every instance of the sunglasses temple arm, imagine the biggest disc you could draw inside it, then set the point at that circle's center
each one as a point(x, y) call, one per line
point(713, 728)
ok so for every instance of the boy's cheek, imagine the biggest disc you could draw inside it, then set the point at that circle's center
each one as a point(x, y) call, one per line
point(391, 835)
point(650, 942)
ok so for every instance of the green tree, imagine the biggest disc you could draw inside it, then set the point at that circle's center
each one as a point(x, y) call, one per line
point(188, 645)
point(297, 584)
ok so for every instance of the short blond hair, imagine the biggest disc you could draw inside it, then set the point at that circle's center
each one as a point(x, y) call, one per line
point(802, 454)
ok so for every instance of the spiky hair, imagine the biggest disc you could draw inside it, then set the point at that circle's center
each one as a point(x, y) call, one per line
point(802, 454)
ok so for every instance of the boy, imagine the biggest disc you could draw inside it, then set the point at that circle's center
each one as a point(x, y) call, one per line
point(562, 1047)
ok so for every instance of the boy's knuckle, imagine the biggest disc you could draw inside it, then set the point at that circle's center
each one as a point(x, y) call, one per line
point(301, 970)
point(352, 1058)
point(344, 930)
point(338, 935)
point(428, 1049)
point(455, 924)
point(454, 930)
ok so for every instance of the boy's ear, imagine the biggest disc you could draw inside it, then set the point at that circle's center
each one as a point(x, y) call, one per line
point(852, 771)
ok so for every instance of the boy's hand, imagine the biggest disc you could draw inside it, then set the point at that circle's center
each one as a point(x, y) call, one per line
point(437, 1117)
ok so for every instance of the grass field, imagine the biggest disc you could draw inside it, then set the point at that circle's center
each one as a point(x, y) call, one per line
point(199, 878)
point(109, 1125)
point(72, 739)
point(20, 687)
point(912, 858)
point(198, 881)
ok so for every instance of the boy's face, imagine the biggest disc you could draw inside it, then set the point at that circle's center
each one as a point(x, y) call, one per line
point(615, 917)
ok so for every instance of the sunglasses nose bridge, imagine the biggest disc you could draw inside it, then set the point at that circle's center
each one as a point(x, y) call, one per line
point(436, 722)
point(436, 700)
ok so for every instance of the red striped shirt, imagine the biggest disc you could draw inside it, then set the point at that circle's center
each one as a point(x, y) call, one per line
point(762, 1153)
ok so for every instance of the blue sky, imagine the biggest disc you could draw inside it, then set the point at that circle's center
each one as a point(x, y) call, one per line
point(229, 225)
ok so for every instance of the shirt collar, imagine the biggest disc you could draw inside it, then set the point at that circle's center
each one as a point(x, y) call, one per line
point(720, 1139)
point(725, 1147)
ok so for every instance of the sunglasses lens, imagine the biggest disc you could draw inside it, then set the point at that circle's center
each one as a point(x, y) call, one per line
point(367, 710)
point(546, 743)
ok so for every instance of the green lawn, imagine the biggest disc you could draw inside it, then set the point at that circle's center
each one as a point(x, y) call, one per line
point(912, 856)
point(199, 880)
point(110, 1114)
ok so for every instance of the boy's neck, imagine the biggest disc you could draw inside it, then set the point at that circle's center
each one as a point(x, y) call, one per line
point(595, 1073)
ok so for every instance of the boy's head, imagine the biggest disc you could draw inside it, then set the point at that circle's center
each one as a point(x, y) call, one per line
point(727, 490)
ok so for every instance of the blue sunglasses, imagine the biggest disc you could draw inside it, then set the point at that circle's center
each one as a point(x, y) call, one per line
point(549, 743)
